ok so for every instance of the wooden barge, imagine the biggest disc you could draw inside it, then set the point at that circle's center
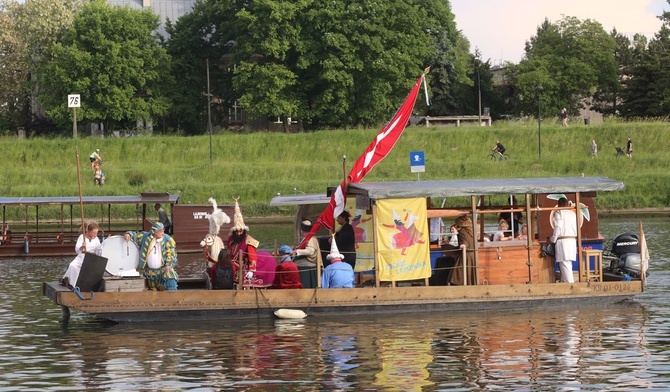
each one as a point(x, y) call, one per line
point(50, 226)
point(510, 274)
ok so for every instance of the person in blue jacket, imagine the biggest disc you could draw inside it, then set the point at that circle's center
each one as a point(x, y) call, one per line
point(337, 274)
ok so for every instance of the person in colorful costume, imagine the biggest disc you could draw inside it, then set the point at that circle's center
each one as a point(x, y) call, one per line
point(258, 266)
point(158, 257)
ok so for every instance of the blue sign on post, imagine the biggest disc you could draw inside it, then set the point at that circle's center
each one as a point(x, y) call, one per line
point(417, 162)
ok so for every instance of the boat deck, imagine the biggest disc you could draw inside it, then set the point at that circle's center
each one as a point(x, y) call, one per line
point(197, 305)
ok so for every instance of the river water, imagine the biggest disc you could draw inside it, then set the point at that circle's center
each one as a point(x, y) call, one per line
point(620, 348)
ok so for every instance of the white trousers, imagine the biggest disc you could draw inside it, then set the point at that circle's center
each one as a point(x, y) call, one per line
point(566, 271)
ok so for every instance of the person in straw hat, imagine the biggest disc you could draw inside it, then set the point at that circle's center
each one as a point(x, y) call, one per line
point(337, 274)
point(308, 258)
point(158, 257)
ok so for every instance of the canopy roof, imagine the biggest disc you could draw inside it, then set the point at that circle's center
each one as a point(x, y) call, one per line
point(476, 187)
point(292, 200)
point(144, 198)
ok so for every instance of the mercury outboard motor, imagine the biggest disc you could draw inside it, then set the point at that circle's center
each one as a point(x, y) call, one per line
point(624, 257)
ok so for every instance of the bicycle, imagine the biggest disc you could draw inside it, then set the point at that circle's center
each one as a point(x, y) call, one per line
point(494, 156)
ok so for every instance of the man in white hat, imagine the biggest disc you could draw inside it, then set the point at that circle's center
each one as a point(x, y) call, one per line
point(337, 274)
point(158, 257)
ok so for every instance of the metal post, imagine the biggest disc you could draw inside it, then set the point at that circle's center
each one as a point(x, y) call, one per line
point(538, 89)
point(74, 123)
point(479, 86)
point(209, 114)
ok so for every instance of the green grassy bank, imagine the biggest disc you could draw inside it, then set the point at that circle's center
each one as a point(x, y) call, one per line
point(257, 166)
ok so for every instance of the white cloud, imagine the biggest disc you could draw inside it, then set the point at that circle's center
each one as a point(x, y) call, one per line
point(500, 28)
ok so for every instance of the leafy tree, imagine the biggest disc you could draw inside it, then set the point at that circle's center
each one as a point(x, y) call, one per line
point(570, 59)
point(113, 60)
point(205, 35)
point(647, 87)
point(27, 31)
point(329, 63)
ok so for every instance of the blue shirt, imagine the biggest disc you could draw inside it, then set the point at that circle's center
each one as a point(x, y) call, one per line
point(338, 275)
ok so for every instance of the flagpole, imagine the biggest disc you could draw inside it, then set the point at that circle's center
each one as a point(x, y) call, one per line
point(376, 151)
point(644, 257)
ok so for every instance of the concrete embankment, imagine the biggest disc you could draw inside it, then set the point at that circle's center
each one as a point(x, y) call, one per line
point(659, 213)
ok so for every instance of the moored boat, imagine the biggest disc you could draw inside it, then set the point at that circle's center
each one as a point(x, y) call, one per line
point(50, 226)
point(398, 268)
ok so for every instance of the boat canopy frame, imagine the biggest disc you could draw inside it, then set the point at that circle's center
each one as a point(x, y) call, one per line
point(482, 187)
point(143, 199)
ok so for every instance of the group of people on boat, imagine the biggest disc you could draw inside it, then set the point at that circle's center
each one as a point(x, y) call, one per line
point(297, 267)
point(157, 256)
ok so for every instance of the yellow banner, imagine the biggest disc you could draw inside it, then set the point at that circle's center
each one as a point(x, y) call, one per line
point(403, 239)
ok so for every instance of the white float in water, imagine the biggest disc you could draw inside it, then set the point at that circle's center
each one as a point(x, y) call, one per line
point(290, 314)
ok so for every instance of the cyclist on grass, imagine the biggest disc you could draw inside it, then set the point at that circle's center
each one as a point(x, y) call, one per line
point(499, 148)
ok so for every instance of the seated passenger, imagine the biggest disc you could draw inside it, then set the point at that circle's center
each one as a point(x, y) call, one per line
point(5, 235)
point(337, 274)
point(436, 230)
point(500, 234)
point(453, 240)
point(287, 275)
point(524, 233)
point(223, 272)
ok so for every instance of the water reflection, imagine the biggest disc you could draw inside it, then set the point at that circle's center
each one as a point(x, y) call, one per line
point(506, 350)
point(621, 347)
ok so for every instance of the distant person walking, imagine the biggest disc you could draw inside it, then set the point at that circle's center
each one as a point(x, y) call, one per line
point(163, 218)
point(564, 117)
point(594, 149)
point(629, 148)
point(95, 158)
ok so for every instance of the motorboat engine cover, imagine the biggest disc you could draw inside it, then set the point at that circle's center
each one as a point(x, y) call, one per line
point(626, 243)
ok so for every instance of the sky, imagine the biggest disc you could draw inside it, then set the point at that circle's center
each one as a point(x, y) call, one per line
point(500, 28)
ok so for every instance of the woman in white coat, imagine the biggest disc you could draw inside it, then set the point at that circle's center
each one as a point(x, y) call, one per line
point(85, 244)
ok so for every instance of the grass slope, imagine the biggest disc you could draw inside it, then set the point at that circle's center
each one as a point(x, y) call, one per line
point(257, 166)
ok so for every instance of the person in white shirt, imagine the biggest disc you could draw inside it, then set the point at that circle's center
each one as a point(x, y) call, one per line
point(500, 234)
point(89, 243)
point(565, 238)
point(436, 230)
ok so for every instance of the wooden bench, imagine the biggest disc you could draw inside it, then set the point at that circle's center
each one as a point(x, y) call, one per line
point(456, 120)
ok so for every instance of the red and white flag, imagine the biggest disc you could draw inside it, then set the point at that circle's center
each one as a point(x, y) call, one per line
point(382, 144)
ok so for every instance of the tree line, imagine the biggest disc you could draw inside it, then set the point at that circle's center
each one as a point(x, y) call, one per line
point(328, 64)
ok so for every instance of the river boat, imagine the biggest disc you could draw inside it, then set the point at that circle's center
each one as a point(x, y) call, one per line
point(50, 226)
point(408, 274)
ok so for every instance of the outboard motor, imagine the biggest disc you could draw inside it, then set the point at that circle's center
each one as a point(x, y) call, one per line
point(624, 257)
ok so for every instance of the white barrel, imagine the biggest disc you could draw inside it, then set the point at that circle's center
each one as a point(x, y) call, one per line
point(123, 256)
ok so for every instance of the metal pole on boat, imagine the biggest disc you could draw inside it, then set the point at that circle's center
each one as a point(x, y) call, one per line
point(81, 198)
point(209, 114)
point(538, 89)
